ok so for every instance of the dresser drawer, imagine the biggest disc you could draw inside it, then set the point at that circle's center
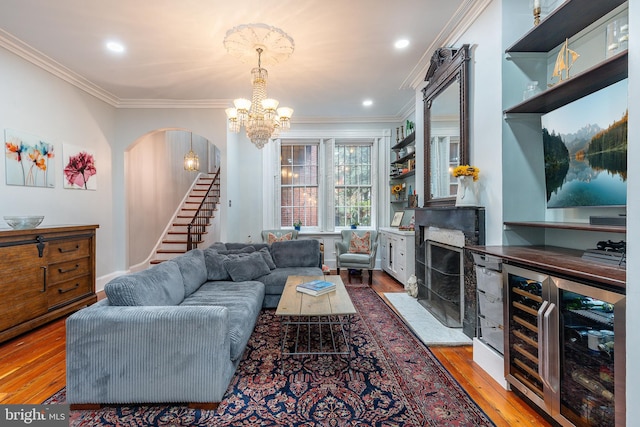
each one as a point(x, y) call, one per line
point(70, 290)
point(66, 250)
point(68, 270)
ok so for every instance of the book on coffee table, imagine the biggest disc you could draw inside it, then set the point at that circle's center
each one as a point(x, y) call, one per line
point(316, 287)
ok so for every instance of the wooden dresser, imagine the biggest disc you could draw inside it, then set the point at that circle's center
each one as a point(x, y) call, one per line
point(45, 273)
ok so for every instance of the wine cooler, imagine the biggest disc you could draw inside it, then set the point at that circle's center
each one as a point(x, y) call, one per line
point(565, 347)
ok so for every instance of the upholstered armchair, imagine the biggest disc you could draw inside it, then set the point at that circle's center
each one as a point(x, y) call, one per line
point(357, 250)
point(270, 236)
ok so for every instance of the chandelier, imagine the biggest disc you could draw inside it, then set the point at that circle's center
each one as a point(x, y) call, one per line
point(260, 116)
point(191, 160)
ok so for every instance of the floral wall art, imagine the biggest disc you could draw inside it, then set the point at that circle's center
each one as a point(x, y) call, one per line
point(79, 168)
point(29, 161)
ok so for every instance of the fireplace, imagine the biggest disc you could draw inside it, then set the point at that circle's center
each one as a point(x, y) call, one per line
point(442, 293)
point(444, 269)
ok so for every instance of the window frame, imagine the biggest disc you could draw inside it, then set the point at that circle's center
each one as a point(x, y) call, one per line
point(379, 141)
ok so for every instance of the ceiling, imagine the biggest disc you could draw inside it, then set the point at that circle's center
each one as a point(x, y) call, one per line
point(174, 54)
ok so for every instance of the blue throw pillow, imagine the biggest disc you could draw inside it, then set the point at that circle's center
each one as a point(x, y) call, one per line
point(247, 267)
point(193, 269)
point(267, 258)
point(215, 265)
point(245, 250)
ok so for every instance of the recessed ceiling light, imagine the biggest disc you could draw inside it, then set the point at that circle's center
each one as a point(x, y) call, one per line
point(116, 47)
point(367, 103)
point(401, 44)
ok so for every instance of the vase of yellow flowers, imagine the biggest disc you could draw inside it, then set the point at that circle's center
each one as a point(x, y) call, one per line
point(467, 194)
point(396, 190)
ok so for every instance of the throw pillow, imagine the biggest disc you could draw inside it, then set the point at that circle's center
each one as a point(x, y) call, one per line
point(267, 258)
point(193, 269)
point(215, 265)
point(360, 244)
point(273, 238)
point(245, 250)
point(247, 267)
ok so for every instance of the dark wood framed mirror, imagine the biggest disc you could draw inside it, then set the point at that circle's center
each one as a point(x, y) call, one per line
point(446, 123)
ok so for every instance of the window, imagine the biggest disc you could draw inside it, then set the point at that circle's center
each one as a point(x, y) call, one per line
point(326, 183)
point(352, 184)
point(299, 185)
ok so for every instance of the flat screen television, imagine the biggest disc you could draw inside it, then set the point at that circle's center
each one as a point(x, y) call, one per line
point(585, 150)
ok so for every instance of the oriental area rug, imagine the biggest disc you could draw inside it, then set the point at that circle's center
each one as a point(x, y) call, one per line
point(392, 379)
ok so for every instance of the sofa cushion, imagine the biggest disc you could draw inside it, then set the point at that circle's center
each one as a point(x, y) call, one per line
point(193, 270)
point(256, 246)
point(274, 282)
point(267, 258)
point(218, 246)
point(245, 250)
point(296, 253)
point(244, 301)
point(161, 284)
point(215, 265)
point(247, 267)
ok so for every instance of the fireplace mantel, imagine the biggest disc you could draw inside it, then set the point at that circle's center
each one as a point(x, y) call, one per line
point(471, 222)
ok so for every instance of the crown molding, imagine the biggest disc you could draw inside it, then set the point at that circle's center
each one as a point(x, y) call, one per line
point(175, 103)
point(351, 119)
point(37, 58)
point(460, 22)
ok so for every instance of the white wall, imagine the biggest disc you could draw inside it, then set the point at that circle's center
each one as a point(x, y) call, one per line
point(485, 113)
point(36, 102)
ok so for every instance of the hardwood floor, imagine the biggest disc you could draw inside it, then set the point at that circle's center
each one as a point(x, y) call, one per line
point(32, 368)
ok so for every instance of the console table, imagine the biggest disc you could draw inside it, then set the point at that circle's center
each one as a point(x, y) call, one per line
point(47, 273)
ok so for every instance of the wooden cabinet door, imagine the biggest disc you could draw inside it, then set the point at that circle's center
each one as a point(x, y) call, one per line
point(23, 293)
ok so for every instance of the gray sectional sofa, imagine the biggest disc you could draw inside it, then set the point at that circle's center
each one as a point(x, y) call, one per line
point(176, 332)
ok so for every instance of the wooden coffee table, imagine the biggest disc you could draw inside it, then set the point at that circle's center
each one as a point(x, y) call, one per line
point(315, 324)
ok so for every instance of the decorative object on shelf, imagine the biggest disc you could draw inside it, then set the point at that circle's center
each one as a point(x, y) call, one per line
point(27, 160)
point(26, 222)
point(191, 160)
point(354, 225)
point(617, 36)
point(564, 61)
point(397, 135)
point(260, 116)
point(468, 176)
point(531, 90)
point(413, 201)
point(297, 224)
point(536, 12)
point(396, 190)
point(402, 132)
point(410, 126)
point(397, 219)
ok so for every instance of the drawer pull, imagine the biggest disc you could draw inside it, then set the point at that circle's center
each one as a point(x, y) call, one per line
point(64, 251)
point(44, 278)
point(69, 270)
point(63, 291)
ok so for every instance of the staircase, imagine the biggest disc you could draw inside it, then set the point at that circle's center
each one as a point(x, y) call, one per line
point(193, 219)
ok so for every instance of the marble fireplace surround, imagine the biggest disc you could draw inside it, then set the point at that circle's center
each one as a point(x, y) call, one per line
point(457, 227)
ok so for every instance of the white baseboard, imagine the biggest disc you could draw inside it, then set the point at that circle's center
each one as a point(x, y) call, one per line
point(103, 280)
point(491, 361)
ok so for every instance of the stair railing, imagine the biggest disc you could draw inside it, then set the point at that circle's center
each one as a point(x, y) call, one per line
point(198, 225)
